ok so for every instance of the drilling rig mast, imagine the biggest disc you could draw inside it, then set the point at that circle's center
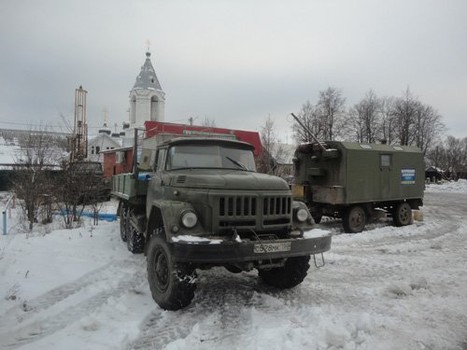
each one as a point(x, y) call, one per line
point(79, 139)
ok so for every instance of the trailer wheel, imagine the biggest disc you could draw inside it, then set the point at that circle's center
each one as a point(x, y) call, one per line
point(402, 215)
point(290, 275)
point(354, 219)
point(123, 221)
point(172, 285)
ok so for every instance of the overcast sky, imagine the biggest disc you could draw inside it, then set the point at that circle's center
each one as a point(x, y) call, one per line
point(232, 61)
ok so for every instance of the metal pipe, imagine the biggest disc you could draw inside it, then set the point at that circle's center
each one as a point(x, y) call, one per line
point(4, 222)
point(308, 131)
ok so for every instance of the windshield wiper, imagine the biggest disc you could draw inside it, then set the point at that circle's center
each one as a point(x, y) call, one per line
point(237, 163)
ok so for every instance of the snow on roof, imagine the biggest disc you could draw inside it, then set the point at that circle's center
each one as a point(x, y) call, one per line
point(8, 152)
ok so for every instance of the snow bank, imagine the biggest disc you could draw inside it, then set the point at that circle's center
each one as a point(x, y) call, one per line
point(459, 186)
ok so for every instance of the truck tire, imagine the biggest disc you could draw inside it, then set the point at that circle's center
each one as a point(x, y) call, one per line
point(123, 221)
point(354, 219)
point(290, 275)
point(172, 285)
point(134, 239)
point(402, 215)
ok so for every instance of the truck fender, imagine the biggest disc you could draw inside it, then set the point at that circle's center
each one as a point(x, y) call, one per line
point(297, 205)
point(166, 214)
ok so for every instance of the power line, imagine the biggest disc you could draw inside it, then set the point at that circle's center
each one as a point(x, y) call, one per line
point(62, 126)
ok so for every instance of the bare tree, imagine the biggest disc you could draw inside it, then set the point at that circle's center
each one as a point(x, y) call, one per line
point(450, 155)
point(309, 117)
point(455, 155)
point(427, 127)
point(404, 120)
point(387, 119)
point(331, 109)
point(80, 184)
point(415, 123)
point(272, 149)
point(436, 156)
point(32, 180)
point(404, 111)
point(365, 119)
point(208, 122)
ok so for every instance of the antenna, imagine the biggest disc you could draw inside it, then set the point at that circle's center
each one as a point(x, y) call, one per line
point(148, 44)
point(309, 131)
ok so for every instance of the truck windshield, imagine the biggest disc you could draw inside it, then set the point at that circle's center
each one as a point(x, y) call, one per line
point(209, 156)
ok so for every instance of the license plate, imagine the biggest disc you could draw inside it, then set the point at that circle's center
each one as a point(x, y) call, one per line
point(272, 247)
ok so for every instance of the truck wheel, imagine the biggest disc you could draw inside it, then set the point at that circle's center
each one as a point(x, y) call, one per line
point(402, 215)
point(123, 221)
point(172, 285)
point(354, 219)
point(290, 275)
point(134, 239)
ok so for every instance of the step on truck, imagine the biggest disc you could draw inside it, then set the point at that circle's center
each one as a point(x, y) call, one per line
point(193, 203)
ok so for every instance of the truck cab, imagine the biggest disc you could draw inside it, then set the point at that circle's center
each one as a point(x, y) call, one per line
point(195, 203)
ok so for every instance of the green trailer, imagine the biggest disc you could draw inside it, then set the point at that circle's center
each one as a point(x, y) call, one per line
point(350, 180)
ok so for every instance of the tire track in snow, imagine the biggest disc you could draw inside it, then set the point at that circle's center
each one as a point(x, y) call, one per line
point(219, 295)
point(43, 327)
point(447, 222)
point(62, 292)
point(161, 328)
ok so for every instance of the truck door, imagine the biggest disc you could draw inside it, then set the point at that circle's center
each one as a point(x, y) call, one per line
point(385, 175)
point(156, 187)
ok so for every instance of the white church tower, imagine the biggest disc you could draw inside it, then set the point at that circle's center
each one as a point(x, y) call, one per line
point(147, 100)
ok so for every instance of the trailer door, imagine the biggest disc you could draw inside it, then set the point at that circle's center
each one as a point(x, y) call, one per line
point(385, 175)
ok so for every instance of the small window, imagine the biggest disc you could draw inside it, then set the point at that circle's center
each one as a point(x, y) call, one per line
point(385, 160)
point(120, 157)
point(98, 149)
point(160, 159)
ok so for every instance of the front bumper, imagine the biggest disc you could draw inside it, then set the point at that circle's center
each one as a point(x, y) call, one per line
point(226, 252)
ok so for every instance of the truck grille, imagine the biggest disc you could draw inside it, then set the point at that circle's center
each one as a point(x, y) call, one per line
point(276, 210)
point(249, 211)
point(237, 206)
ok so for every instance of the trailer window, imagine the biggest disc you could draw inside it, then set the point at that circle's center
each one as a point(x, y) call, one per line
point(385, 160)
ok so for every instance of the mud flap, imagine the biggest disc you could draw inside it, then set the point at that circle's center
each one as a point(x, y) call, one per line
point(319, 262)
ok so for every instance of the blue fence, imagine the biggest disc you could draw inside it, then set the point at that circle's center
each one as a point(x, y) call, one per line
point(102, 216)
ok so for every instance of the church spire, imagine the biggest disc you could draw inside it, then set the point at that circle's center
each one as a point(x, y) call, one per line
point(147, 99)
point(147, 79)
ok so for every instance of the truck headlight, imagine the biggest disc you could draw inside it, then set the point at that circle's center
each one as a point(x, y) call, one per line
point(302, 214)
point(189, 219)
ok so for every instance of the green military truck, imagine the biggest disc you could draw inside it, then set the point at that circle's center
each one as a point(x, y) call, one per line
point(351, 181)
point(195, 203)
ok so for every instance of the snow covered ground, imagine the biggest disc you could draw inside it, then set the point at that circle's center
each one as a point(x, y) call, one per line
point(385, 288)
